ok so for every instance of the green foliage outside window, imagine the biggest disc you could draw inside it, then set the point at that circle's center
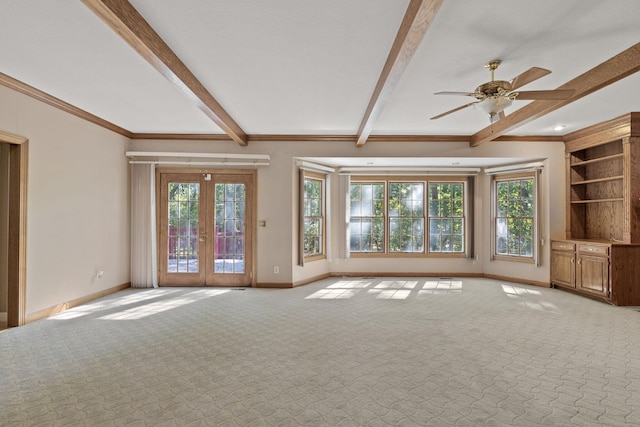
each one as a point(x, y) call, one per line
point(183, 203)
point(514, 219)
point(230, 208)
point(183, 227)
point(313, 217)
point(367, 217)
point(446, 217)
point(405, 216)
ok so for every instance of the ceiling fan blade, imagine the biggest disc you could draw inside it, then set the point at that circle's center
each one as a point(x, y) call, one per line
point(452, 111)
point(544, 94)
point(533, 73)
point(455, 93)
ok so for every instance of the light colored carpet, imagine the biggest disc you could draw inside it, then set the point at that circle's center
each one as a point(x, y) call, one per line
point(339, 352)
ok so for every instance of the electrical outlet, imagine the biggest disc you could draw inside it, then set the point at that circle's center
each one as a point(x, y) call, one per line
point(276, 270)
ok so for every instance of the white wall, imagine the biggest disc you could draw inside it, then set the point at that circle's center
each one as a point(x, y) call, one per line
point(78, 202)
point(278, 194)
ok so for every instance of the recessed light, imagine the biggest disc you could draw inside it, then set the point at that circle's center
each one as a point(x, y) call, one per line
point(559, 127)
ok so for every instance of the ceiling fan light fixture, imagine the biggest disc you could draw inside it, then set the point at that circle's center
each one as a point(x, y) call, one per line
point(496, 95)
point(493, 105)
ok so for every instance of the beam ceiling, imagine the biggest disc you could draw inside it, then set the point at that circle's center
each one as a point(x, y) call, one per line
point(417, 20)
point(618, 67)
point(125, 20)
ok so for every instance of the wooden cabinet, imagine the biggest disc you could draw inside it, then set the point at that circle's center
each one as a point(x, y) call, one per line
point(580, 265)
point(563, 258)
point(610, 271)
point(592, 269)
point(600, 253)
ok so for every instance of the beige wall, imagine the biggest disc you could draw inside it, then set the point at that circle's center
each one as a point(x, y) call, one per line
point(277, 204)
point(78, 202)
point(4, 224)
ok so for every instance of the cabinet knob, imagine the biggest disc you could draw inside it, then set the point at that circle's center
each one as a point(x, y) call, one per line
point(573, 260)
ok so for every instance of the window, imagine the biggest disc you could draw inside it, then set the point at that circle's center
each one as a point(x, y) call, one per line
point(367, 217)
point(514, 216)
point(396, 216)
point(446, 217)
point(313, 209)
point(406, 216)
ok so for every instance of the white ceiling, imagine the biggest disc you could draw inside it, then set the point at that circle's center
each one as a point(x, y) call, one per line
point(310, 67)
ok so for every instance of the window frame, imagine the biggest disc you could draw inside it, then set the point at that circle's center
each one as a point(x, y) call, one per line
point(464, 217)
point(322, 179)
point(371, 217)
point(510, 177)
point(425, 180)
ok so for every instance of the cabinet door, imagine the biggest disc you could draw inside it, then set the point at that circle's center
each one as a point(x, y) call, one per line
point(563, 268)
point(593, 275)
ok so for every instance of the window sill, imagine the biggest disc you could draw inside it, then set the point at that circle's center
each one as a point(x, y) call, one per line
point(407, 255)
point(314, 258)
point(524, 260)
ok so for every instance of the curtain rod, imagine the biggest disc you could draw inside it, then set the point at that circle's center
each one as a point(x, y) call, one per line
point(187, 163)
point(198, 155)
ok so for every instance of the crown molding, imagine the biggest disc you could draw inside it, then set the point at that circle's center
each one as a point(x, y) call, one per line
point(32, 92)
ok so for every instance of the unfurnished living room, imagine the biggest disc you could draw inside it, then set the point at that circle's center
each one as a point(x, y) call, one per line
point(320, 213)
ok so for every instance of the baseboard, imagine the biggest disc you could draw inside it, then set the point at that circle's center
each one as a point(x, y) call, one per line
point(403, 274)
point(408, 274)
point(42, 314)
point(312, 279)
point(274, 285)
point(516, 280)
point(282, 285)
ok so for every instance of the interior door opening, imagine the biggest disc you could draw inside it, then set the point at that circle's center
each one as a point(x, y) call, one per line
point(4, 233)
point(206, 235)
point(13, 244)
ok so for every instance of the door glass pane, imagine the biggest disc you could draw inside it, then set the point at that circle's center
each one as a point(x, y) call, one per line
point(229, 229)
point(183, 238)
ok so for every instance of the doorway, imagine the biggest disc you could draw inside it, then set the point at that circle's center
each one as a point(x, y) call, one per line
point(13, 283)
point(205, 228)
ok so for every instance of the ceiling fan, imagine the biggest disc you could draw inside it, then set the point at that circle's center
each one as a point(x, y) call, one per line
point(496, 95)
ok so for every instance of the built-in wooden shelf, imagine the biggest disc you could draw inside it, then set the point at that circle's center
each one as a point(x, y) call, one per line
point(618, 199)
point(599, 255)
point(591, 181)
point(597, 160)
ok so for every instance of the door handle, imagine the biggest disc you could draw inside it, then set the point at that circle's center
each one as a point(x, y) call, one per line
point(203, 237)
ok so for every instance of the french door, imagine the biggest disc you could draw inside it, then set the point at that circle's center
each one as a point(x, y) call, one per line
point(205, 226)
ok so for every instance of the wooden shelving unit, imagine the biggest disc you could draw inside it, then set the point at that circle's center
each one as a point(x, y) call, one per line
point(600, 253)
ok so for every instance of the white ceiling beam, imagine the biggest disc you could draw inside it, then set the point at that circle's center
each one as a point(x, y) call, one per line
point(125, 20)
point(610, 71)
point(417, 20)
